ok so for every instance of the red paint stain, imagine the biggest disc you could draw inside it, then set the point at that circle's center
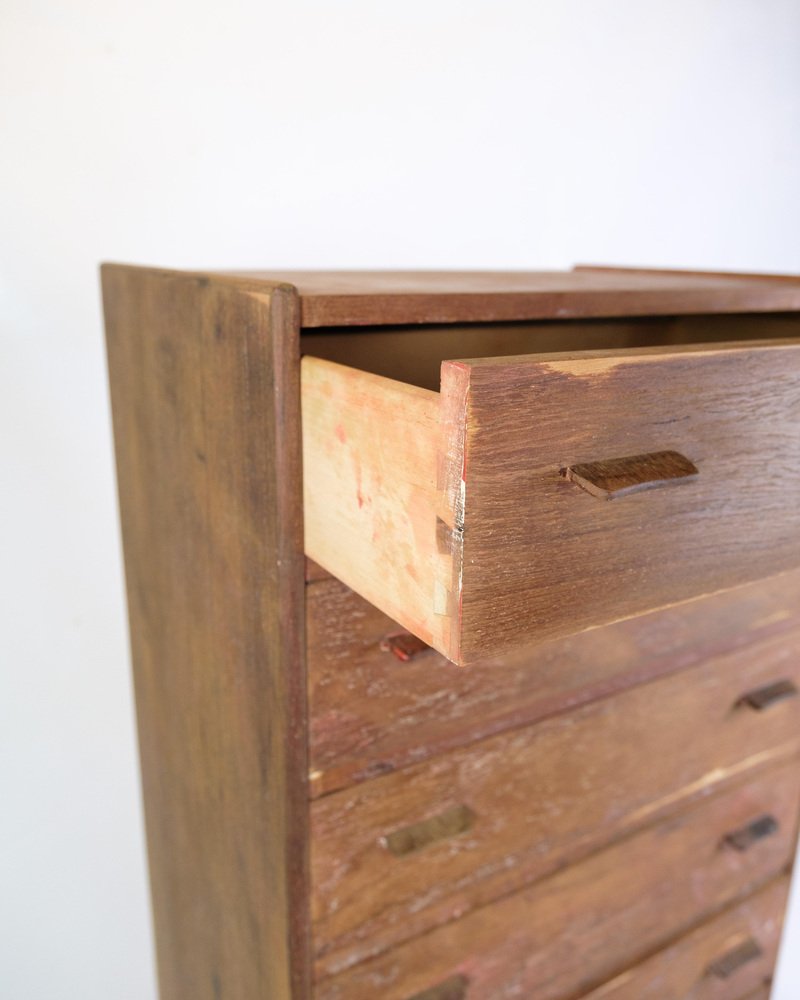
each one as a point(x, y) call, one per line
point(340, 434)
point(360, 497)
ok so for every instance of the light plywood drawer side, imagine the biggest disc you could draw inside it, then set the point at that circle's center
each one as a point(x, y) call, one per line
point(395, 856)
point(589, 922)
point(478, 517)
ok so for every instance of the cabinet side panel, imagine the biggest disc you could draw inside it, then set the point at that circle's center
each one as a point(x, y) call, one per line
point(205, 395)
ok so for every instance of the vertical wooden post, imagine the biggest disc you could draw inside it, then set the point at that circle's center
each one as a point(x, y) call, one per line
point(205, 394)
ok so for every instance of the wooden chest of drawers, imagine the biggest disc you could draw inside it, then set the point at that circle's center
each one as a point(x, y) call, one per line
point(463, 680)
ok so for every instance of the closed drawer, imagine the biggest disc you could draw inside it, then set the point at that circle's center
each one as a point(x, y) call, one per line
point(379, 700)
point(538, 496)
point(401, 853)
point(729, 958)
point(587, 923)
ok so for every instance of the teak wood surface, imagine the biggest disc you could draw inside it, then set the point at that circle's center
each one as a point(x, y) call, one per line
point(356, 298)
point(355, 684)
point(540, 550)
point(684, 971)
point(454, 512)
point(587, 923)
point(539, 797)
point(205, 395)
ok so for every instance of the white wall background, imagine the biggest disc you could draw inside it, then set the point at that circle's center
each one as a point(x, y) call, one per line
point(478, 133)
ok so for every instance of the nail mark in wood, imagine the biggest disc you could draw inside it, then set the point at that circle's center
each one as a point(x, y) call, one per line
point(618, 477)
point(766, 697)
point(733, 960)
point(454, 988)
point(744, 838)
point(457, 819)
point(444, 537)
point(404, 646)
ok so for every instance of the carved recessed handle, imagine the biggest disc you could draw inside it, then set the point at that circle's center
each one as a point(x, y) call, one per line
point(449, 823)
point(744, 838)
point(454, 988)
point(404, 646)
point(733, 960)
point(619, 477)
point(769, 695)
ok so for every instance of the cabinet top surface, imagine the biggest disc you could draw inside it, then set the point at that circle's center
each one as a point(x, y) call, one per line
point(353, 298)
point(368, 298)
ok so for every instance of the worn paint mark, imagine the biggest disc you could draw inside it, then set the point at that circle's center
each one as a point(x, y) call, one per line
point(340, 433)
point(587, 367)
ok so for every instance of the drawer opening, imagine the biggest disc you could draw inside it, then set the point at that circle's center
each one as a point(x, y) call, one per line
point(435, 488)
point(414, 354)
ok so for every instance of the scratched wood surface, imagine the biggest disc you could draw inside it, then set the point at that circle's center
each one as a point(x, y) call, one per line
point(535, 556)
point(205, 393)
point(537, 797)
point(588, 922)
point(686, 970)
point(356, 683)
point(467, 530)
point(531, 763)
point(347, 298)
point(370, 450)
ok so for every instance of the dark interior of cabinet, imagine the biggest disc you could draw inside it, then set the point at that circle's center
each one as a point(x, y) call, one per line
point(414, 354)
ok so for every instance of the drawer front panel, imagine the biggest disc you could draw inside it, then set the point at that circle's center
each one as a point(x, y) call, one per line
point(401, 853)
point(732, 956)
point(608, 911)
point(358, 679)
point(537, 496)
point(541, 550)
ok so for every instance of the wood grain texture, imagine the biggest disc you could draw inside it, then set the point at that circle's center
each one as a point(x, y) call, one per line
point(541, 558)
point(370, 453)
point(589, 922)
point(453, 517)
point(682, 971)
point(611, 478)
point(539, 797)
point(205, 393)
point(348, 298)
point(355, 685)
point(677, 272)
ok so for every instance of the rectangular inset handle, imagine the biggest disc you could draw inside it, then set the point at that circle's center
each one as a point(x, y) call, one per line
point(454, 988)
point(765, 697)
point(744, 838)
point(449, 823)
point(404, 646)
point(618, 477)
point(733, 960)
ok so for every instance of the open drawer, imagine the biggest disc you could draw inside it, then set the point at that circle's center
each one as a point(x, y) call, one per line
point(539, 495)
